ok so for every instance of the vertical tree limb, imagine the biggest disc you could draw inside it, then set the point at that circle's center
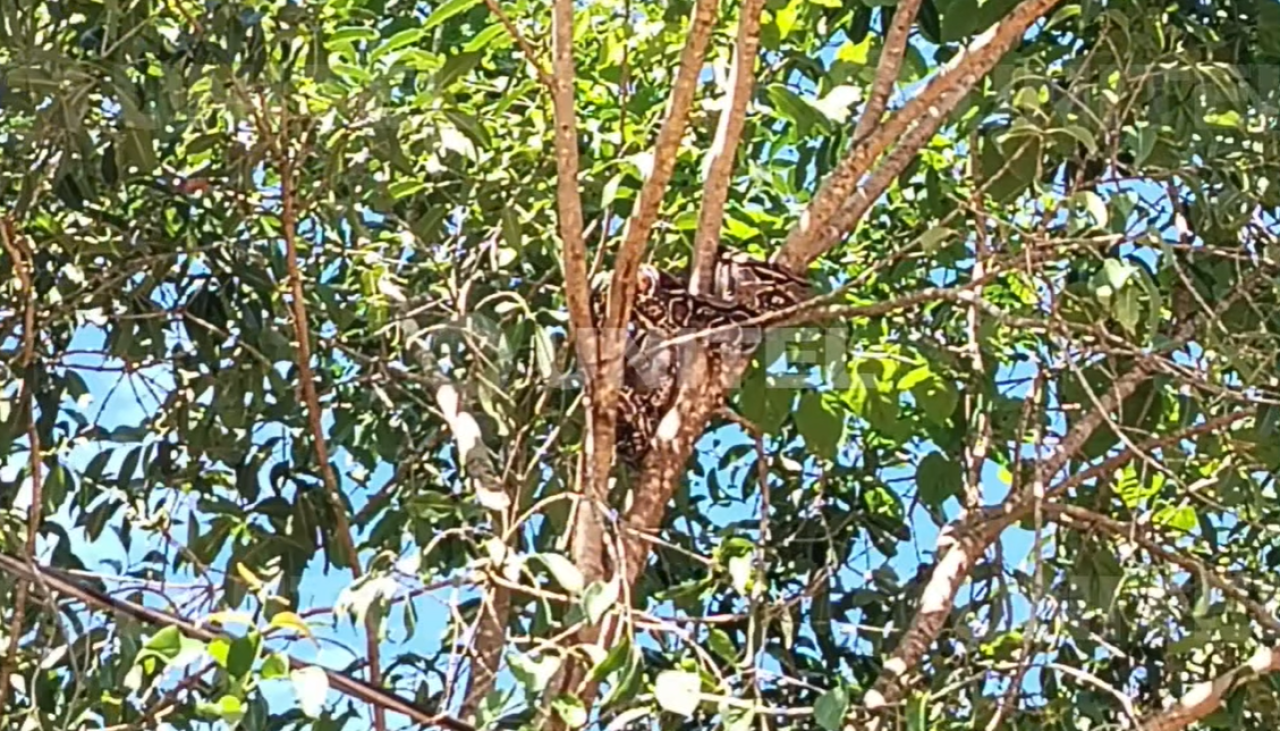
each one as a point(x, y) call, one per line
point(895, 47)
point(23, 265)
point(608, 377)
point(804, 242)
point(724, 149)
point(588, 531)
point(307, 389)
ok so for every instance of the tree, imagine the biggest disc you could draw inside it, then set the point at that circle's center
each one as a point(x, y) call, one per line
point(309, 388)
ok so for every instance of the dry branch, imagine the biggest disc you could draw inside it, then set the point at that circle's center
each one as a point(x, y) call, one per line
point(724, 149)
point(816, 226)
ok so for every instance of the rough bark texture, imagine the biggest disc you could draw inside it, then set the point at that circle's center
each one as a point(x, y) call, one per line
point(804, 242)
point(588, 531)
point(724, 149)
point(895, 47)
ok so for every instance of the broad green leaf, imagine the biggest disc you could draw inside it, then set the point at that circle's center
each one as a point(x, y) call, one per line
point(565, 573)
point(821, 427)
point(721, 645)
point(678, 691)
point(830, 708)
point(275, 666)
point(447, 11)
point(938, 478)
point(311, 686)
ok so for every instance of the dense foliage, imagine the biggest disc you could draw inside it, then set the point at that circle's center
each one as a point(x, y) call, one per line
point(1079, 269)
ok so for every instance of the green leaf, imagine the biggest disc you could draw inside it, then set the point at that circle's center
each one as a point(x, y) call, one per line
point(290, 620)
point(1183, 519)
point(406, 37)
point(918, 712)
point(565, 573)
point(599, 597)
point(351, 34)
point(719, 642)
point(495, 36)
point(678, 691)
point(447, 11)
point(571, 710)
point(166, 643)
point(937, 479)
point(620, 653)
point(275, 666)
point(533, 674)
point(821, 429)
point(830, 709)
point(230, 709)
point(243, 654)
point(405, 188)
point(310, 685)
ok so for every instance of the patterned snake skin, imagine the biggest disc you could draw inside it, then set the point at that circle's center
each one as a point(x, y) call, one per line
point(743, 289)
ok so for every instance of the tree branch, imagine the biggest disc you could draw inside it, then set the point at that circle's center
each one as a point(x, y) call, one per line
point(21, 256)
point(1207, 697)
point(495, 609)
point(724, 149)
point(1079, 518)
point(895, 47)
point(963, 543)
point(623, 283)
point(377, 697)
point(936, 100)
point(307, 389)
point(523, 43)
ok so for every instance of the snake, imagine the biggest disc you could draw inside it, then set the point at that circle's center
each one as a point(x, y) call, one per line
point(743, 288)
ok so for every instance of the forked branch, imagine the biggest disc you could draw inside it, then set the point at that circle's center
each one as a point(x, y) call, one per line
point(816, 228)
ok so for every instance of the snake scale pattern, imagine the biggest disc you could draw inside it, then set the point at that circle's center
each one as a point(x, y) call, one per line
point(743, 288)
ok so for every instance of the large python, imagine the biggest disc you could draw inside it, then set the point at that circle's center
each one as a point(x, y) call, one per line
point(743, 288)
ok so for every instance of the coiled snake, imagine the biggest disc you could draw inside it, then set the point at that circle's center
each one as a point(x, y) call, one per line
point(743, 288)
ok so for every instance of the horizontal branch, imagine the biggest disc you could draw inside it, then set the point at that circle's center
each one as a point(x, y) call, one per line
point(51, 580)
point(1077, 517)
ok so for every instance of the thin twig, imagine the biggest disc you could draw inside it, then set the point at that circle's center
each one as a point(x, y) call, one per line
point(525, 47)
point(23, 265)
